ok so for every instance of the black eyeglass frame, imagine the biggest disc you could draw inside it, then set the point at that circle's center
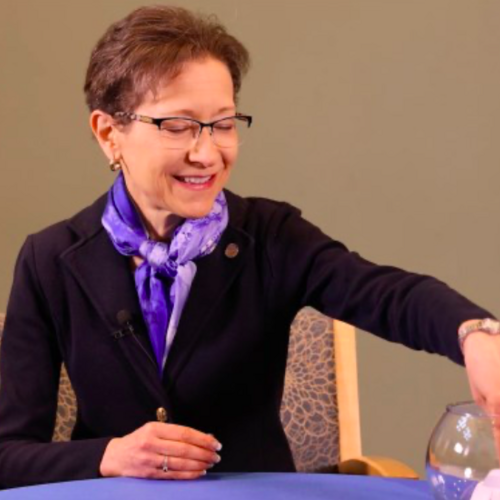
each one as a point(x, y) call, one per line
point(158, 121)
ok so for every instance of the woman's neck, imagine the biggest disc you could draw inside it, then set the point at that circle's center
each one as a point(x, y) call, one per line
point(160, 226)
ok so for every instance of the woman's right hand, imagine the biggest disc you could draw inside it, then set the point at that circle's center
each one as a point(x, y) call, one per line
point(142, 453)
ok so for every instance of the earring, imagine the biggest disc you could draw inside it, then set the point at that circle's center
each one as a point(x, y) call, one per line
point(115, 165)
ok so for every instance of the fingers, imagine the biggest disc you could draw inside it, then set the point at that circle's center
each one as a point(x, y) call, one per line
point(183, 442)
point(184, 450)
point(142, 453)
point(178, 441)
point(492, 407)
point(183, 434)
point(175, 464)
point(152, 466)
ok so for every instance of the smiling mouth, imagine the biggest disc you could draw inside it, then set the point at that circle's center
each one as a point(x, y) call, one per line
point(196, 181)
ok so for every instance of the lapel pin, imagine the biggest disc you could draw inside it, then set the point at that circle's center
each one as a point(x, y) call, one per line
point(232, 250)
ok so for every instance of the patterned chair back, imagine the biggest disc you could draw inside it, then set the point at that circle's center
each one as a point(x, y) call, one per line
point(309, 410)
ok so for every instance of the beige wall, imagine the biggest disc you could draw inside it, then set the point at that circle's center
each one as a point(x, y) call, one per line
point(379, 118)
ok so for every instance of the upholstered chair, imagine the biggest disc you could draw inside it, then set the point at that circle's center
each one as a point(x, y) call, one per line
point(320, 407)
point(309, 409)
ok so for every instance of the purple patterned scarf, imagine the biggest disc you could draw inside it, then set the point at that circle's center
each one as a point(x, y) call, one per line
point(164, 279)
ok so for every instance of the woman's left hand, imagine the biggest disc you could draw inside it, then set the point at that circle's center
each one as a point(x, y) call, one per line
point(482, 361)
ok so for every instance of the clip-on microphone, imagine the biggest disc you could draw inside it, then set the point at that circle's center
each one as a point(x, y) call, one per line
point(124, 319)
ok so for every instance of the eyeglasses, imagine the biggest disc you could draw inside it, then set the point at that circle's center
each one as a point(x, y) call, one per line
point(182, 133)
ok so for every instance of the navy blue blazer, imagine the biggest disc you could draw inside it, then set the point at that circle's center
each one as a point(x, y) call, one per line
point(225, 371)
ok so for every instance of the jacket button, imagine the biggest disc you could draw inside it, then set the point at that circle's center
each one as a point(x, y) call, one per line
point(161, 414)
point(232, 250)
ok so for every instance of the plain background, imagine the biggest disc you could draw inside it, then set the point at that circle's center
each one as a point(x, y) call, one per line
point(379, 118)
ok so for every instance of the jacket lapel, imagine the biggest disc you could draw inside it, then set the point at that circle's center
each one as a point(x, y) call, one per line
point(214, 276)
point(108, 281)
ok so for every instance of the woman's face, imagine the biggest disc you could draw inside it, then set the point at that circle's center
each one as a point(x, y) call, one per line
point(156, 175)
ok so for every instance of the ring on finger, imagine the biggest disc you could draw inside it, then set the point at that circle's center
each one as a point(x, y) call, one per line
point(164, 465)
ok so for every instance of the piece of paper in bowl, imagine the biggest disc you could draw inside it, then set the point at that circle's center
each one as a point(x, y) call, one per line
point(489, 489)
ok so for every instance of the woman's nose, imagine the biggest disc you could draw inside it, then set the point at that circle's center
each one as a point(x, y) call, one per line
point(204, 150)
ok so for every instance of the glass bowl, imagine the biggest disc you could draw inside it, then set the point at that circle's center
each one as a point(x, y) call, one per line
point(461, 452)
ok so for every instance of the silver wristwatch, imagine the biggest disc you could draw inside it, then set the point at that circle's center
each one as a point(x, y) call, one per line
point(488, 325)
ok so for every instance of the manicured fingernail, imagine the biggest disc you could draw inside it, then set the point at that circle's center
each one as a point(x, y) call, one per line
point(217, 459)
point(204, 473)
point(218, 446)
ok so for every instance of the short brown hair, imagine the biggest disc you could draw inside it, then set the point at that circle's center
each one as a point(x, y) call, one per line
point(152, 43)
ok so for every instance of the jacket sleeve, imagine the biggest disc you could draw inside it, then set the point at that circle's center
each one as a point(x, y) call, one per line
point(311, 269)
point(30, 363)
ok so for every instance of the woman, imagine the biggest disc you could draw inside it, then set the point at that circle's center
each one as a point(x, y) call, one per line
point(170, 299)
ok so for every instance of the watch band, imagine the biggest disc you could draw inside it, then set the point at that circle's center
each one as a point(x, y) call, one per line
point(487, 325)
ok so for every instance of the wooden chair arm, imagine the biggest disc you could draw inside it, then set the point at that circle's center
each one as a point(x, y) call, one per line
point(377, 466)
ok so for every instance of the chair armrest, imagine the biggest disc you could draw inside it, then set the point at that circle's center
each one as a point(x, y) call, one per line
point(377, 466)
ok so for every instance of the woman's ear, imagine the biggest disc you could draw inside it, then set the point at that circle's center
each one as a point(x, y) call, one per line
point(104, 129)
